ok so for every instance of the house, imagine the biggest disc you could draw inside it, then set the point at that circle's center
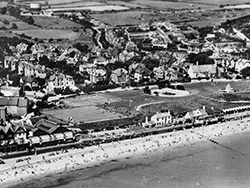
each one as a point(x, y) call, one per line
point(28, 69)
point(202, 71)
point(139, 72)
point(87, 67)
point(9, 62)
point(10, 91)
point(199, 113)
point(22, 47)
point(159, 73)
point(45, 127)
point(98, 75)
point(20, 132)
point(6, 134)
point(162, 118)
point(119, 76)
point(100, 61)
point(48, 131)
point(60, 80)
point(3, 113)
point(16, 106)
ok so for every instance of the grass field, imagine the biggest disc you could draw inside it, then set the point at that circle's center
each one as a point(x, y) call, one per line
point(21, 25)
point(121, 18)
point(85, 108)
point(77, 4)
point(46, 34)
point(127, 4)
point(219, 2)
point(55, 23)
point(200, 94)
point(91, 8)
point(164, 5)
point(85, 114)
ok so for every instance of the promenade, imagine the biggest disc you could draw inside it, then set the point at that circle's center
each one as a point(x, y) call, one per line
point(42, 165)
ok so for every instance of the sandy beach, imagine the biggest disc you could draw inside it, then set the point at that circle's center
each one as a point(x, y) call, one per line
point(136, 148)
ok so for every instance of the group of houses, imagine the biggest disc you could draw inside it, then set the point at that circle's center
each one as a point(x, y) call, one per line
point(36, 130)
point(165, 118)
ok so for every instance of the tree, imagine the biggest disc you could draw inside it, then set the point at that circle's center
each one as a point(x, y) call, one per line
point(3, 10)
point(245, 72)
point(151, 63)
point(14, 26)
point(30, 20)
point(146, 90)
point(180, 87)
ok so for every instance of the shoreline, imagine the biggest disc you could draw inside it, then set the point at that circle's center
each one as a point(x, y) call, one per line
point(97, 155)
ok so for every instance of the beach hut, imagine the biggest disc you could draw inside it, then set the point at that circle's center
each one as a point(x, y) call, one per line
point(34, 140)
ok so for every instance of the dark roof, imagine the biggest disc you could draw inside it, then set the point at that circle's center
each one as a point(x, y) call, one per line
point(47, 126)
point(35, 119)
point(20, 102)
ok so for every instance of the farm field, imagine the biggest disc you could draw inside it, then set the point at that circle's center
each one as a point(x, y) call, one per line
point(46, 34)
point(49, 1)
point(164, 5)
point(20, 25)
point(91, 8)
point(219, 2)
point(77, 4)
point(121, 18)
point(55, 22)
point(127, 4)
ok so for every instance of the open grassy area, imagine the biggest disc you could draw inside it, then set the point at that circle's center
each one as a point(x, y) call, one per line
point(121, 18)
point(86, 108)
point(219, 2)
point(46, 34)
point(20, 25)
point(85, 114)
point(201, 93)
point(164, 5)
point(55, 23)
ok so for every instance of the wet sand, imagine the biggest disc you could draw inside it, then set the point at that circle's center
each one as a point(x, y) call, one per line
point(198, 164)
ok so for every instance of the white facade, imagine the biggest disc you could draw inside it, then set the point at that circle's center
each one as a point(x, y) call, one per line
point(60, 81)
point(162, 118)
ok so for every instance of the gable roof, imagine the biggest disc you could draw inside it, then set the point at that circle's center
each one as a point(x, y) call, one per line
point(120, 71)
point(197, 113)
point(46, 126)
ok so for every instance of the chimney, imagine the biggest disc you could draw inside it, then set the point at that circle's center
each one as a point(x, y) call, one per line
point(146, 120)
point(204, 107)
point(8, 77)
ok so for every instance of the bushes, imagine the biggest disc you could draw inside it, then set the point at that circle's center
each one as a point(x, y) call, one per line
point(146, 90)
point(89, 89)
point(66, 91)
point(180, 87)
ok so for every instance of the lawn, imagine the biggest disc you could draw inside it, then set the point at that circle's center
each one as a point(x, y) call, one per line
point(85, 114)
point(46, 34)
point(86, 108)
point(200, 96)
